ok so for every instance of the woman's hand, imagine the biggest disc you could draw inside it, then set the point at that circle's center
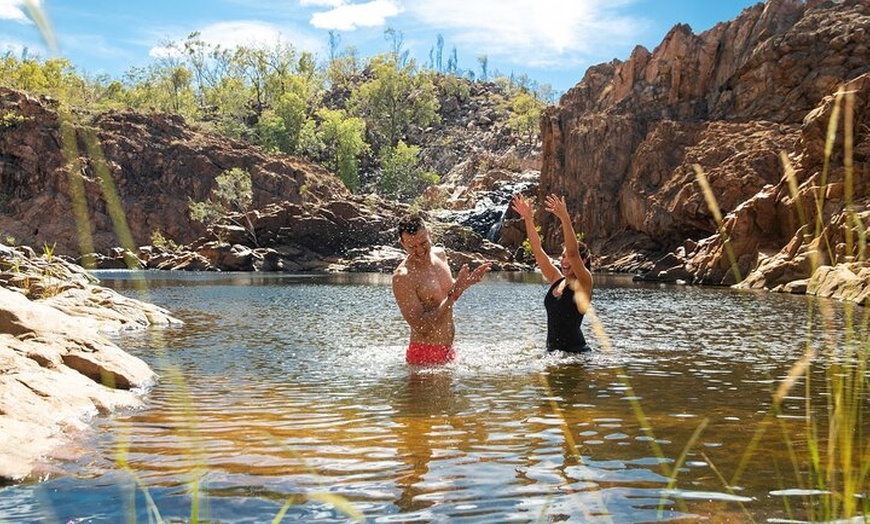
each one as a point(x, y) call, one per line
point(522, 206)
point(557, 206)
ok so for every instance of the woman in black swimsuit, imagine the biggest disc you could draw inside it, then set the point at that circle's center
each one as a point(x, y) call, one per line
point(570, 290)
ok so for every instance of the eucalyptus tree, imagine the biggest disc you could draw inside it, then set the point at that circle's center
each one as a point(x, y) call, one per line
point(161, 86)
point(402, 178)
point(209, 66)
point(343, 140)
point(525, 116)
point(250, 64)
point(453, 62)
point(282, 126)
point(483, 60)
point(343, 69)
point(293, 91)
point(397, 46)
point(394, 100)
point(229, 202)
point(439, 54)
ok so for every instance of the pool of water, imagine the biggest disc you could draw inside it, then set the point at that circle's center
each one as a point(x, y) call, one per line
point(289, 393)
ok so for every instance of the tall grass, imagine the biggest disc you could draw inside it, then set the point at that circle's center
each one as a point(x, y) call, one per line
point(171, 373)
point(831, 458)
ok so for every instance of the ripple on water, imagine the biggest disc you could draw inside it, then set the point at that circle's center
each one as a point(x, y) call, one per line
point(298, 385)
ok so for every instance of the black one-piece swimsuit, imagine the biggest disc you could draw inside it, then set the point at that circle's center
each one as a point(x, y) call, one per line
point(563, 321)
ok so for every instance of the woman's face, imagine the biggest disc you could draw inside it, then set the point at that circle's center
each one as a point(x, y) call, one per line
point(565, 264)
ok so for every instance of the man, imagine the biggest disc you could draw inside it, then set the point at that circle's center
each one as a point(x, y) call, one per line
point(425, 292)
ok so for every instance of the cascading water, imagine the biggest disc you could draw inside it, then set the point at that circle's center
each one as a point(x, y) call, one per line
point(487, 215)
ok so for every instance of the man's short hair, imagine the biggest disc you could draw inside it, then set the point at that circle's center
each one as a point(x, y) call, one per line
point(411, 224)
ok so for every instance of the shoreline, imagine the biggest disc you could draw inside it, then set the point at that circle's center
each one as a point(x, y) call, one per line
point(58, 370)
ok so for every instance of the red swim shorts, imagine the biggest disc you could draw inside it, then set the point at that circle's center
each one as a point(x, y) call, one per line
point(428, 354)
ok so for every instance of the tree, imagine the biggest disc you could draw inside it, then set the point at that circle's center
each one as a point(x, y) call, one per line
point(180, 82)
point(525, 117)
point(344, 140)
point(397, 43)
point(484, 62)
point(401, 175)
point(271, 132)
point(439, 54)
point(229, 202)
point(394, 101)
point(453, 62)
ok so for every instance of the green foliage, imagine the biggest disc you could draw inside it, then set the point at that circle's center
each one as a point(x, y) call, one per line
point(11, 119)
point(271, 132)
point(343, 69)
point(401, 175)
point(525, 118)
point(161, 242)
point(282, 128)
point(344, 140)
point(232, 195)
point(454, 86)
point(48, 251)
point(527, 246)
point(394, 101)
point(179, 81)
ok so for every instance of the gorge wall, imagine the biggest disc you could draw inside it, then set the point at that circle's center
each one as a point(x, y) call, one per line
point(622, 145)
point(79, 182)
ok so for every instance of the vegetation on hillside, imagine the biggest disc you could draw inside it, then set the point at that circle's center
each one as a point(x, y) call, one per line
point(363, 119)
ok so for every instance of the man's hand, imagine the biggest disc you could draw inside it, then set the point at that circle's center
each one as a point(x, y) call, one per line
point(466, 277)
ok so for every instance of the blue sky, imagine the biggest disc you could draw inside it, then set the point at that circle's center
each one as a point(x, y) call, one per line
point(551, 41)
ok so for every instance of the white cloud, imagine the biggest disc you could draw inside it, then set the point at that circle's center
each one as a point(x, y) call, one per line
point(229, 35)
point(15, 48)
point(14, 10)
point(321, 3)
point(534, 32)
point(347, 17)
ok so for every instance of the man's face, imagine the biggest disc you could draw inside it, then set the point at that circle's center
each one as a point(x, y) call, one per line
point(418, 244)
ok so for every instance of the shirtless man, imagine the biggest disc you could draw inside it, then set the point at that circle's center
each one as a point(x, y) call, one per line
point(425, 292)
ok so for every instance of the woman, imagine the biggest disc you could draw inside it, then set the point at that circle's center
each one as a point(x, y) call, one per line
point(570, 290)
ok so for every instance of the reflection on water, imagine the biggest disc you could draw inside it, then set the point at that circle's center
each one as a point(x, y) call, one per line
point(279, 387)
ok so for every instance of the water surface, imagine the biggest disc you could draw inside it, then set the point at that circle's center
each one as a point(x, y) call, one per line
point(293, 388)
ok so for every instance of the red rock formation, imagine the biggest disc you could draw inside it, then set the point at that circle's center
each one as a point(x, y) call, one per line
point(623, 143)
point(149, 164)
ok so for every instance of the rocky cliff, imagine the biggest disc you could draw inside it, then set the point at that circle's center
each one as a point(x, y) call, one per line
point(82, 184)
point(624, 143)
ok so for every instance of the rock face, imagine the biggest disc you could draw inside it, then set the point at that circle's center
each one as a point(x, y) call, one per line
point(132, 175)
point(626, 143)
point(56, 370)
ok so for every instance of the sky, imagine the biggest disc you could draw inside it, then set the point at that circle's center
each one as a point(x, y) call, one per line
point(550, 41)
